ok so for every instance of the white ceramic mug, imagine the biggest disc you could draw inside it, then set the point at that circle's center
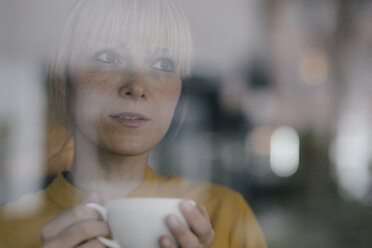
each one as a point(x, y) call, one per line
point(137, 222)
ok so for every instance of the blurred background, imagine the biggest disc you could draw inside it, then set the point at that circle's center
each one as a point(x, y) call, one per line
point(278, 108)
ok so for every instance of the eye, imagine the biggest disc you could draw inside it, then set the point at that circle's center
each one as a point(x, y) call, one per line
point(108, 57)
point(164, 64)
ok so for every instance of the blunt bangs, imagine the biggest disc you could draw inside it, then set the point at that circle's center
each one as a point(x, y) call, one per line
point(137, 23)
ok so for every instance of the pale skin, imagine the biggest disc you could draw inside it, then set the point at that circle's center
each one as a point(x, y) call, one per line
point(110, 158)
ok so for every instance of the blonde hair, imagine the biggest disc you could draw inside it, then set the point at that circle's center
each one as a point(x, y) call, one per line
point(142, 23)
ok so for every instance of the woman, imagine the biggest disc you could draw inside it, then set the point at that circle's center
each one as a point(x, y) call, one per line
point(116, 78)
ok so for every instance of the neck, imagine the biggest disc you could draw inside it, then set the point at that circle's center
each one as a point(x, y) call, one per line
point(111, 175)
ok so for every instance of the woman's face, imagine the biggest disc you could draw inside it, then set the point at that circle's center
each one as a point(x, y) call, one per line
point(123, 100)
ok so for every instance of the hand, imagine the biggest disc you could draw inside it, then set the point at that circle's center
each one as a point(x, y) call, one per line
point(201, 234)
point(78, 226)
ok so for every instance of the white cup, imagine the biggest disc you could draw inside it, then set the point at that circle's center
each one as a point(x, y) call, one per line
point(137, 222)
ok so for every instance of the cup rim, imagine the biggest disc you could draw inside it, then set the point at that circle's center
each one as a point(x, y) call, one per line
point(145, 199)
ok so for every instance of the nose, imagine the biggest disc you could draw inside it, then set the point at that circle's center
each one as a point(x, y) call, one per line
point(134, 86)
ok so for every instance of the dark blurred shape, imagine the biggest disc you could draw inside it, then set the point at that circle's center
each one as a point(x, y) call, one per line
point(257, 74)
point(4, 150)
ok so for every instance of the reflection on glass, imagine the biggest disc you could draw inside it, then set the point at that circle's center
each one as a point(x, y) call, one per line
point(351, 151)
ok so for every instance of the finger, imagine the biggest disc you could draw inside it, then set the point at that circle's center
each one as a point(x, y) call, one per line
point(78, 233)
point(166, 242)
point(94, 243)
point(184, 236)
point(68, 218)
point(202, 210)
point(197, 218)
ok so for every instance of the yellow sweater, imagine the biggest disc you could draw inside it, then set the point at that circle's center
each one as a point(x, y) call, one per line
point(232, 219)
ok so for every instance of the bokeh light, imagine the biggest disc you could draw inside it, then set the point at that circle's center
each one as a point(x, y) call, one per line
point(350, 151)
point(260, 140)
point(284, 154)
point(314, 68)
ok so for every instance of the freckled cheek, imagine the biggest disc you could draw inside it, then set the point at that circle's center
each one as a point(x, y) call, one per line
point(86, 108)
point(173, 93)
point(95, 79)
point(93, 85)
point(169, 98)
point(89, 97)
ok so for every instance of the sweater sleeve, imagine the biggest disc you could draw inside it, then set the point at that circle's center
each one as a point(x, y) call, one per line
point(233, 221)
point(245, 230)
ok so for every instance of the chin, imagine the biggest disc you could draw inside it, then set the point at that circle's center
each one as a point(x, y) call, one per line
point(129, 147)
point(131, 151)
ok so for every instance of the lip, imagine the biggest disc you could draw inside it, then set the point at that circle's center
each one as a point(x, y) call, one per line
point(130, 119)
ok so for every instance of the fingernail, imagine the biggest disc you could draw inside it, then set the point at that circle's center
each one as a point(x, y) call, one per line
point(91, 197)
point(187, 206)
point(173, 221)
point(165, 242)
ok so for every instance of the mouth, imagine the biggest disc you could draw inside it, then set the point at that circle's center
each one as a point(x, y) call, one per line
point(130, 119)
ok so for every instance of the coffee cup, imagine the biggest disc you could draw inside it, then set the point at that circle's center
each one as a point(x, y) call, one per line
point(137, 222)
